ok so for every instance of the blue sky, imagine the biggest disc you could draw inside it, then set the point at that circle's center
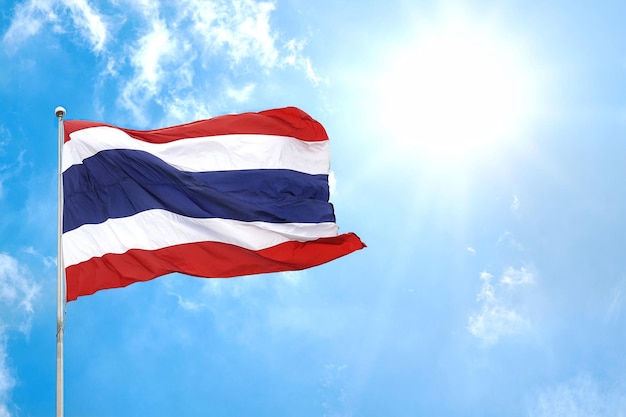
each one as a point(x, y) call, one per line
point(478, 148)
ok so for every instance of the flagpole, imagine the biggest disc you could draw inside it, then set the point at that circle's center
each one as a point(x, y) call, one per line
point(60, 113)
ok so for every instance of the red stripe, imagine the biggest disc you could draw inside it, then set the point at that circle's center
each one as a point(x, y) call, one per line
point(204, 259)
point(288, 121)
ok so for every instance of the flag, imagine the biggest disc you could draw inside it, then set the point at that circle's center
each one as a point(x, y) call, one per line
point(228, 196)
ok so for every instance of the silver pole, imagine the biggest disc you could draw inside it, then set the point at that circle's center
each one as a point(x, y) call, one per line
point(60, 113)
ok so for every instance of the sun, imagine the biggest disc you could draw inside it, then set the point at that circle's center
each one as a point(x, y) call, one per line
point(455, 92)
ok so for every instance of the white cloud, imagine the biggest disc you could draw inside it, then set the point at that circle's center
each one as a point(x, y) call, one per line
point(31, 16)
point(152, 51)
point(310, 71)
point(17, 296)
point(10, 169)
point(48, 261)
point(184, 302)
point(16, 165)
point(495, 321)
point(166, 60)
point(294, 57)
point(579, 397)
point(508, 239)
point(515, 203)
point(181, 109)
point(520, 276)
point(499, 313)
point(28, 20)
point(153, 48)
point(89, 22)
point(240, 28)
point(169, 50)
point(7, 382)
point(241, 95)
point(615, 301)
point(333, 389)
point(17, 293)
point(293, 277)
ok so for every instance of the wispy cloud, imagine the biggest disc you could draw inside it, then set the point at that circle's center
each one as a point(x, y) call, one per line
point(183, 302)
point(333, 390)
point(616, 301)
point(7, 381)
point(48, 261)
point(15, 162)
point(507, 238)
point(149, 57)
point(17, 293)
point(242, 94)
point(515, 203)
point(17, 296)
point(520, 276)
point(241, 29)
point(33, 15)
point(499, 310)
point(294, 57)
point(579, 397)
point(179, 109)
point(293, 277)
point(166, 62)
point(88, 22)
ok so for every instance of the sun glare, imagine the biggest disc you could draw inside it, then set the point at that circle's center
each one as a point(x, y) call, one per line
point(456, 92)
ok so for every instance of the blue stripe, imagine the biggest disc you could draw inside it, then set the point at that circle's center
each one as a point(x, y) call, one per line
point(121, 183)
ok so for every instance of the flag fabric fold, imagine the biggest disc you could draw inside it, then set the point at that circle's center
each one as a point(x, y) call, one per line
point(217, 198)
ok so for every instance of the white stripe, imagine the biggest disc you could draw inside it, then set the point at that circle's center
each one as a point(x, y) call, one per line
point(155, 229)
point(212, 153)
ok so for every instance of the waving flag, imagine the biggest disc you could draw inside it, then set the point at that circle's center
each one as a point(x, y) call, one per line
point(229, 196)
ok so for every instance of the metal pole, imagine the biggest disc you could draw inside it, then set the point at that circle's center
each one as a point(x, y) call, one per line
point(60, 113)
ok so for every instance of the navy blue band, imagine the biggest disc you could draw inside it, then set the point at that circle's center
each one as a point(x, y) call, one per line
point(121, 183)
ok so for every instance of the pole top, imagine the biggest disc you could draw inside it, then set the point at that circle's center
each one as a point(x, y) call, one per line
point(59, 112)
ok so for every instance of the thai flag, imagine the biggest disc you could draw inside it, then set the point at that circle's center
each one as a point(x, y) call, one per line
point(229, 196)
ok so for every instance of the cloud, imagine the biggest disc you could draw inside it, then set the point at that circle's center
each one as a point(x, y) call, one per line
point(508, 239)
point(89, 22)
point(293, 277)
point(499, 313)
point(520, 276)
point(28, 20)
point(333, 390)
point(241, 29)
point(48, 261)
point(241, 95)
point(31, 16)
point(615, 305)
point(163, 59)
point(295, 58)
point(179, 109)
point(185, 303)
point(579, 397)
point(177, 47)
point(17, 296)
point(156, 48)
point(10, 169)
point(7, 382)
point(515, 203)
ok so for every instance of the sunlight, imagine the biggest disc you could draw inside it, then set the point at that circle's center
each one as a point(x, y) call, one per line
point(456, 92)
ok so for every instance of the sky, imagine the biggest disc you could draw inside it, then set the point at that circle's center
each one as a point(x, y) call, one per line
point(478, 149)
